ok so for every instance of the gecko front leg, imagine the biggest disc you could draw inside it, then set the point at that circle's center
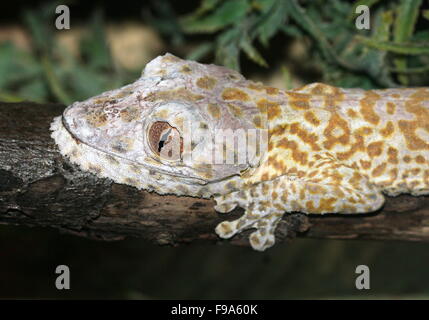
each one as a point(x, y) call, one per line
point(329, 187)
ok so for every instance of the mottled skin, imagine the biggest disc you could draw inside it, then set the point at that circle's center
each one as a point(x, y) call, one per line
point(328, 150)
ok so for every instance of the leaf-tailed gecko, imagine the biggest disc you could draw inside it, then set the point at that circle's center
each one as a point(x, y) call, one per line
point(186, 128)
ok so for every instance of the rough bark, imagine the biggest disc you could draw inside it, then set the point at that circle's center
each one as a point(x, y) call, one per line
point(40, 188)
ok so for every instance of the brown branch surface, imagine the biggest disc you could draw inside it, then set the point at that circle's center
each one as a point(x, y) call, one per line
point(40, 188)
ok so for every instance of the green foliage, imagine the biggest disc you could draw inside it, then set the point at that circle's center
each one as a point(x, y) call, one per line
point(392, 53)
point(49, 72)
point(225, 15)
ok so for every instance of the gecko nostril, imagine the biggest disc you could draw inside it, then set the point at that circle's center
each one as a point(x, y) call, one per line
point(165, 140)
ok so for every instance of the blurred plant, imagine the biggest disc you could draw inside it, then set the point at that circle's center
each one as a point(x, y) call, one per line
point(393, 52)
point(50, 72)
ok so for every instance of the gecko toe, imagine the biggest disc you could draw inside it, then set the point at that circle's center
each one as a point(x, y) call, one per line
point(228, 229)
point(261, 240)
point(225, 207)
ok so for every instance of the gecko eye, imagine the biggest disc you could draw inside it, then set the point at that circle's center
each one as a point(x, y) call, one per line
point(165, 141)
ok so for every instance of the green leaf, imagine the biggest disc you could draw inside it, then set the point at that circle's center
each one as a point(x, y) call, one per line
point(16, 67)
point(7, 65)
point(54, 82)
point(251, 52)
point(406, 18)
point(407, 13)
point(8, 97)
point(165, 20)
point(401, 48)
point(227, 49)
point(411, 69)
point(200, 51)
point(303, 20)
point(94, 45)
point(205, 6)
point(87, 83)
point(287, 78)
point(291, 30)
point(271, 21)
point(228, 56)
point(373, 60)
point(33, 91)
point(41, 32)
point(228, 13)
point(384, 21)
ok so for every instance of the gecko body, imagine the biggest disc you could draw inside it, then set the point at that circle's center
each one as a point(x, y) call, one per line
point(187, 128)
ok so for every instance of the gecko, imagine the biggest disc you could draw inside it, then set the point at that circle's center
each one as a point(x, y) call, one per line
point(192, 129)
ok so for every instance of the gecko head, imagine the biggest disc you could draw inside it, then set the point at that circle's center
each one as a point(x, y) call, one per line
point(174, 130)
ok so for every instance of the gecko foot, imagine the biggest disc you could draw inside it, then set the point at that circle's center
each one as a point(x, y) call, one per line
point(263, 238)
point(265, 225)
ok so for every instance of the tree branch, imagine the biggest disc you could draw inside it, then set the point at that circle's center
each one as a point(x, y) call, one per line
point(40, 188)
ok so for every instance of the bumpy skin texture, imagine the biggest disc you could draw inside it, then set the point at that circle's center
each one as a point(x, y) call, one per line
point(320, 149)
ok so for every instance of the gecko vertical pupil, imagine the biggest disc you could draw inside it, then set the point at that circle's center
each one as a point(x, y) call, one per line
point(165, 140)
point(160, 145)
